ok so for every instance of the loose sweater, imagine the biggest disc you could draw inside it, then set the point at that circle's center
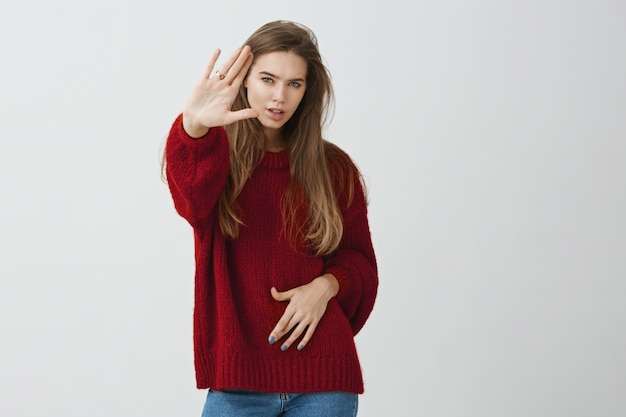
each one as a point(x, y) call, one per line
point(234, 311)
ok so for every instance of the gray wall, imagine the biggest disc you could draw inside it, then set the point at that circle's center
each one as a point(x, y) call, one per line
point(492, 138)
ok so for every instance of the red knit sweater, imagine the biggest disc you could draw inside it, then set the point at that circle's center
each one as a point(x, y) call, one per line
point(234, 311)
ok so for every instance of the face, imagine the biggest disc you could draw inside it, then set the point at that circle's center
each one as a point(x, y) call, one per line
point(276, 85)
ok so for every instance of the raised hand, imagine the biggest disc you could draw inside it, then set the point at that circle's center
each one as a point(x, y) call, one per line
point(307, 305)
point(210, 102)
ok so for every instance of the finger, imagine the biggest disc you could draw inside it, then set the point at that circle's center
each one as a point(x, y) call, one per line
point(226, 66)
point(297, 332)
point(237, 66)
point(243, 71)
point(211, 64)
point(286, 323)
point(308, 335)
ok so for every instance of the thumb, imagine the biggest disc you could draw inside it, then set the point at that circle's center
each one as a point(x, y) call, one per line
point(240, 115)
point(281, 296)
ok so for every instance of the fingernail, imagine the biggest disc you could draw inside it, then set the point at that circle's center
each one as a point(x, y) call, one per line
point(283, 348)
point(272, 340)
point(300, 347)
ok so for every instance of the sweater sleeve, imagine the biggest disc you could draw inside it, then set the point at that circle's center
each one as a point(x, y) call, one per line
point(354, 262)
point(196, 170)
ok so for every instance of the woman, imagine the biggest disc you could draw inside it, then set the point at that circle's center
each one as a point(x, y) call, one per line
point(285, 270)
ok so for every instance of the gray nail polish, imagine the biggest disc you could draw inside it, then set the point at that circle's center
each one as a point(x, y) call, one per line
point(300, 347)
point(283, 348)
point(272, 340)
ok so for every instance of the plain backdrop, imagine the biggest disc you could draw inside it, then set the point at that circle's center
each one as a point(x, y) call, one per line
point(492, 138)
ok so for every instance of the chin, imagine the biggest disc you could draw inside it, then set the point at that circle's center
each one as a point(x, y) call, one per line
point(271, 124)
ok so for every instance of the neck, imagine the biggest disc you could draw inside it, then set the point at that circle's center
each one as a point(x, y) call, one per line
point(274, 141)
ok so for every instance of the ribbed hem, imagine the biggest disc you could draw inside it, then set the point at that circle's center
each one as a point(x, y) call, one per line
point(310, 374)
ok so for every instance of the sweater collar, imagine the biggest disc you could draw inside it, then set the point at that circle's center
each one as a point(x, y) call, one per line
point(275, 160)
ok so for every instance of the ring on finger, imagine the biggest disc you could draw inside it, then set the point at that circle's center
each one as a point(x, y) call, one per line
point(220, 75)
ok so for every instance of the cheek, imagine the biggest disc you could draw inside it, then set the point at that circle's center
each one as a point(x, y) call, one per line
point(254, 91)
point(300, 97)
point(251, 94)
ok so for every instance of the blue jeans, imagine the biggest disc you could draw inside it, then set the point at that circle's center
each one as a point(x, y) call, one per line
point(240, 403)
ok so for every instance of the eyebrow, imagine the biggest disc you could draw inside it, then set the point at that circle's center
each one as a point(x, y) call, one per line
point(278, 78)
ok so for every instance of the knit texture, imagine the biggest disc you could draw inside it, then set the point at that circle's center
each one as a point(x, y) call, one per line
point(234, 311)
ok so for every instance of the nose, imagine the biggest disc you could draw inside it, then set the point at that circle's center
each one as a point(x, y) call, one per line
point(279, 93)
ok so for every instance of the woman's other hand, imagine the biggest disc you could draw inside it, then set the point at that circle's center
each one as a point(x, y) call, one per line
point(210, 102)
point(307, 305)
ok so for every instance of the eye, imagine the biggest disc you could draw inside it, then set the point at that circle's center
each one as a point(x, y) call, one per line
point(267, 80)
point(294, 84)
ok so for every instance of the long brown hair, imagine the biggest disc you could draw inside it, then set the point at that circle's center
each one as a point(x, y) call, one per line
point(313, 161)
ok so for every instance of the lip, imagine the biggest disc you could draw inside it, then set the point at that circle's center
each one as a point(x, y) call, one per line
point(275, 113)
